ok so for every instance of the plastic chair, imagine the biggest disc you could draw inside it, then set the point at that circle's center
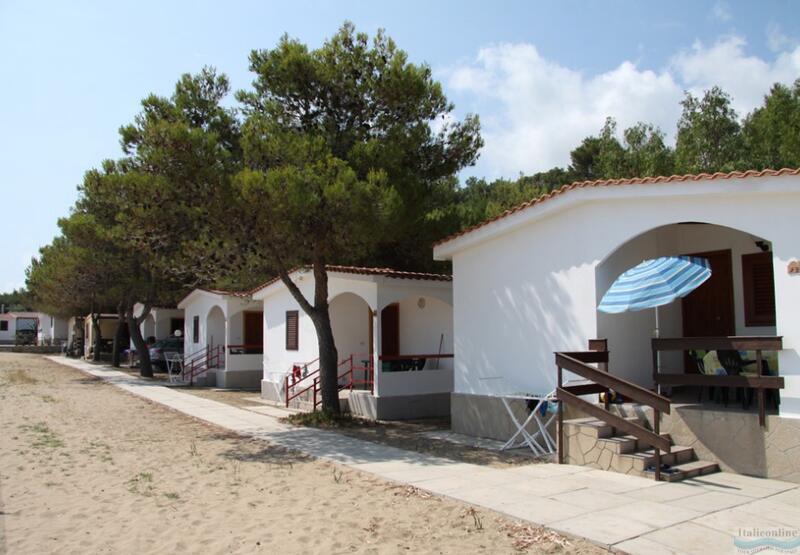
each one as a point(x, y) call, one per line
point(174, 362)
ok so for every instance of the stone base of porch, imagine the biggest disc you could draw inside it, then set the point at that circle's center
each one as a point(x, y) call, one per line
point(733, 438)
point(239, 379)
point(364, 404)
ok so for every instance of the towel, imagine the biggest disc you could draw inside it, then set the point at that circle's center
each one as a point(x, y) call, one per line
point(712, 365)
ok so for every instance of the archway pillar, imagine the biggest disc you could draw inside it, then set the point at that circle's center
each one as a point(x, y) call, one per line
point(376, 351)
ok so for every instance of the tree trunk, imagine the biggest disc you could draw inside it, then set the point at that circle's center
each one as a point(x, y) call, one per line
point(115, 354)
point(97, 337)
point(328, 362)
point(328, 356)
point(320, 316)
point(145, 366)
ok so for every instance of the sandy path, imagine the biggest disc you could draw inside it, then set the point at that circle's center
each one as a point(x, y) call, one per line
point(86, 468)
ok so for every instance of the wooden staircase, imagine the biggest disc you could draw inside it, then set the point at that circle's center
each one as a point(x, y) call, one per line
point(608, 439)
point(592, 442)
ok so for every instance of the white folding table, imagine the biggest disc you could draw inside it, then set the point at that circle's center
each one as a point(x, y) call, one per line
point(540, 442)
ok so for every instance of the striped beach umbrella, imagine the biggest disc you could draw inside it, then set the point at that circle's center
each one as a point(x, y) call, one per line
point(654, 283)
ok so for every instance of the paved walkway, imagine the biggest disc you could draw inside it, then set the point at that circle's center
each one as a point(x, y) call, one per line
point(627, 513)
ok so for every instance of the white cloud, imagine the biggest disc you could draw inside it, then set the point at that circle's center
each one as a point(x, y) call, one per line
point(721, 11)
point(534, 110)
point(777, 40)
point(746, 78)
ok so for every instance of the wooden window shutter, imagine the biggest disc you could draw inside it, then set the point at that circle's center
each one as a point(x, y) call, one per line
point(759, 289)
point(196, 329)
point(292, 332)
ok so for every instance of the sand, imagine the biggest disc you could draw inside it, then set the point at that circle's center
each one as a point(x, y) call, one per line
point(88, 468)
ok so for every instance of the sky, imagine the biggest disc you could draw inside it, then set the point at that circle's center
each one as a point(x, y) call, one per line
point(542, 75)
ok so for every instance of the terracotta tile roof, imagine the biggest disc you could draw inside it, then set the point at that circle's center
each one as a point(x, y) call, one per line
point(611, 182)
point(387, 272)
point(226, 292)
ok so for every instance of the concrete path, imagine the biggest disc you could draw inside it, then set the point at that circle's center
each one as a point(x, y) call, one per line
point(626, 513)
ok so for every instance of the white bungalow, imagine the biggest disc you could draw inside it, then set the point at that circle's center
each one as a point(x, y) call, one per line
point(108, 328)
point(160, 323)
point(50, 330)
point(527, 283)
point(223, 338)
point(399, 322)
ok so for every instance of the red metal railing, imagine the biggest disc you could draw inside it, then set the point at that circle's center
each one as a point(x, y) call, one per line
point(345, 380)
point(201, 361)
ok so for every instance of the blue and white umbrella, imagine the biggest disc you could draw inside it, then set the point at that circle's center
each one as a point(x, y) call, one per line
point(654, 283)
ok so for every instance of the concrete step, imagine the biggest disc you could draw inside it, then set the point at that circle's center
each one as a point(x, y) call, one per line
point(590, 427)
point(596, 428)
point(686, 470)
point(678, 455)
point(619, 444)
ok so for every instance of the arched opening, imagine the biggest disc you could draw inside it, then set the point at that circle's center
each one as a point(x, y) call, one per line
point(351, 320)
point(149, 329)
point(215, 328)
point(418, 325)
point(736, 300)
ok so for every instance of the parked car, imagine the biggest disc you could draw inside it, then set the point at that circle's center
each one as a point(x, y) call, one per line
point(168, 345)
point(25, 337)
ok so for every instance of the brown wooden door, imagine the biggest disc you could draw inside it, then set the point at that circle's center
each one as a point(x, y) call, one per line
point(390, 330)
point(254, 328)
point(708, 310)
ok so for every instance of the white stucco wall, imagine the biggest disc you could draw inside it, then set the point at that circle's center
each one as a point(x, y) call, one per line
point(524, 287)
point(59, 329)
point(147, 328)
point(7, 335)
point(277, 360)
point(350, 296)
point(220, 324)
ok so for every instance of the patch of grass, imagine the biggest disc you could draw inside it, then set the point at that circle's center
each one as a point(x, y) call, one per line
point(18, 376)
point(100, 450)
point(49, 399)
point(172, 495)
point(44, 437)
point(141, 484)
point(477, 519)
point(325, 419)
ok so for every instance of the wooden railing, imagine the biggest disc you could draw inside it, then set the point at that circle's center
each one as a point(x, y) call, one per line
point(599, 380)
point(760, 382)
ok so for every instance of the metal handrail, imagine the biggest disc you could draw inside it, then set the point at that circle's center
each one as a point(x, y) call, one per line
point(315, 384)
point(315, 374)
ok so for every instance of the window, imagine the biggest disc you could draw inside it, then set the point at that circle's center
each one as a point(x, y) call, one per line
point(292, 343)
point(196, 329)
point(759, 289)
point(3, 325)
